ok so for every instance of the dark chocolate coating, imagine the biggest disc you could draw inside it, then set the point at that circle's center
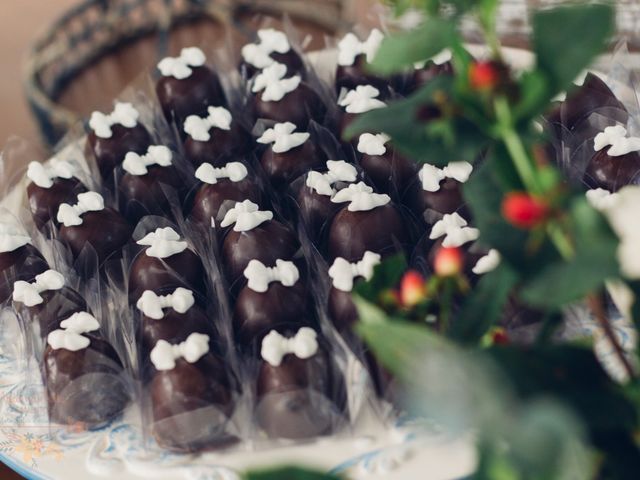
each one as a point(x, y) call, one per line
point(448, 199)
point(380, 230)
point(56, 306)
point(189, 96)
point(106, 231)
point(342, 310)
point(44, 202)
point(86, 386)
point(283, 168)
point(164, 275)
point(267, 243)
point(612, 173)
point(221, 146)
point(350, 76)
point(389, 172)
point(110, 152)
point(209, 199)
point(291, 59)
point(298, 107)
point(316, 210)
point(300, 398)
point(23, 263)
point(192, 403)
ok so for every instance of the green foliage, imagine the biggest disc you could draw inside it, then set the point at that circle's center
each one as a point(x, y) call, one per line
point(386, 275)
point(289, 473)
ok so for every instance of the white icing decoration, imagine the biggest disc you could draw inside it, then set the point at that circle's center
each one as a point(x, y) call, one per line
point(346, 194)
point(71, 215)
point(275, 347)
point(246, 216)
point(29, 293)
point(198, 127)
point(43, 175)
point(270, 41)
point(362, 99)
point(234, 171)
point(180, 67)
point(136, 164)
point(455, 231)
point(164, 355)
point(70, 334)
point(259, 276)
point(601, 199)
point(283, 138)
point(273, 84)
point(343, 273)
point(337, 171)
point(163, 243)
point(620, 143)
point(350, 47)
point(361, 197)
point(487, 263)
point(123, 114)
point(431, 176)
point(151, 304)
point(12, 238)
point(373, 144)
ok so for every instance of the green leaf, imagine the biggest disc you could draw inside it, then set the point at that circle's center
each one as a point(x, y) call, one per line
point(386, 275)
point(289, 473)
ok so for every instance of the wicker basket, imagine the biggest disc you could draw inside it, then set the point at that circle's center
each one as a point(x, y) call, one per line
point(97, 28)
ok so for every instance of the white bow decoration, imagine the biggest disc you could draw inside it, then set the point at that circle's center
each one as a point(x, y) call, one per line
point(245, 216)
point(272, 82)
point(70, 334)
point(616, 136)
point(343, 273)
point(362, 99)
point(373, 144)
point(164, 355)
point(43, 175)
point(487, 263)
point(346, 194)
point(181, 67)
point(601, 199)
point(455, 231)
point(270, 41)
point(350, 47)
point(198, 127)
point(71, 215)
point(29, 293)
point(275, 346)
point(361, 197)
point(123, 114)
point(135, 164)
point(151, 304)
point(431, 176)
point(337, 171)
point(283, 138)
point(12, 238)
point(234, 171)
point(163, 243)
point(259, 276)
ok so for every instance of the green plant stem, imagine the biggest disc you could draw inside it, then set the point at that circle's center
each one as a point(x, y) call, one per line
point(561, 241)
point(447, 299)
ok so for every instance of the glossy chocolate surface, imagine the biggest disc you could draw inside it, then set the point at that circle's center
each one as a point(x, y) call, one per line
point(44, 202)
point(23, 263)
point(110, 152)
point(223, 145)
point(283, 168)
point(389, 172)
point(613, 173)
point(447, 199)
point(298, 107)
point(293, 62)
point(350, 76)
point(342, 310)
point(56, 306)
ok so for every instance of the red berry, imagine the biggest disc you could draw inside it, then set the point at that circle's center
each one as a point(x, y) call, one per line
point(523, 210)
point(499, 336)
point(484, 75)
point(412, 289)
point(448, 262)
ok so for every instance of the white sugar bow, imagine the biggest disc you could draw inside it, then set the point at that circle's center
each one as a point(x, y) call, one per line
point(135, 164)
point(455, 231)
point(360, 197)
point(431, 176)
point(272, 82)
point(164, 355)
point(43, 175)
point(234, 171)
point(282, 137)
point(245, 216)
point(617, 138)
point(346, 194)
point(373, 144)
point(259, 276)
point(601, 199)
point(343, 273)
point(198, 127)
point(181, 67)
point(71, 215)
point(12, 238)
point(70, 334)
point(362, 99)
point(151, 304)
point(487, 263)
point(163, 243)
point(337, 171)
point(123, 114)
point(275, 346)
point(29, 293)
point(350, 47)
point(270, 41)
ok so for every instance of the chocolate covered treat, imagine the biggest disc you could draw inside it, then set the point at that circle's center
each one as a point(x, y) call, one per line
point(214, 138)
point(192, 395)
point(362, 99)
point(388, 170)
point(301, 392)
point(272, 47)
point(166, 264)
point(187, 86)
point(83, 374)
point(290, 154)
point(616, 162)
point(369, 222)
point(353, 58)
point(88, 221)
point(112, 136)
